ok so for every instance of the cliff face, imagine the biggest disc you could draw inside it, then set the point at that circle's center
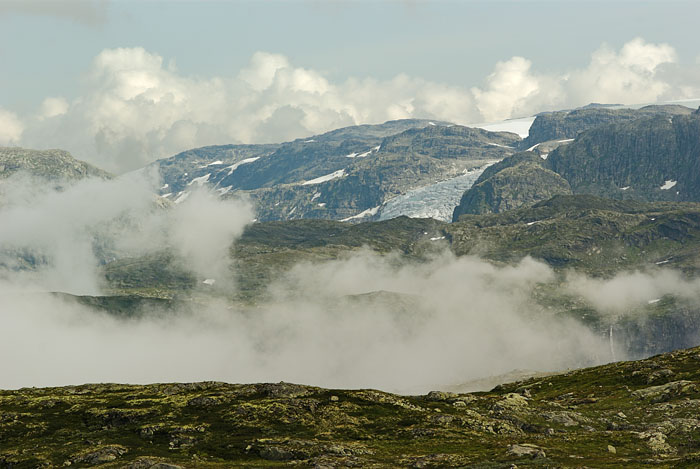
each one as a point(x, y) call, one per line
point(569, 124)
point(656, 158)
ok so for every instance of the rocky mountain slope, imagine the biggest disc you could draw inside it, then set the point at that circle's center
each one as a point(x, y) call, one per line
point(516, 181)
point(655, 158)
point(53, 165)
point(626, 414)
point(552, 126)
point(648, 156)
point(345, 174)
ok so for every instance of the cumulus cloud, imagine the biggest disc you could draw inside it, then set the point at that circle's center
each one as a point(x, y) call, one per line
point(637, 73)
point(135, 109)
point(632, 75)
point(510, 83)
point(11, 128)
point(52, 107)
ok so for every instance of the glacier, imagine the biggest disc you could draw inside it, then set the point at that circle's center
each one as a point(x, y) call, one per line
point(436, 201)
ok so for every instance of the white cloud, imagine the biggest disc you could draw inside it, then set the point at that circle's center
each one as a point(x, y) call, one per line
point(510, 83)
point(631, 76)
point(11, 128)
point(260, 74)
point(637, 54)
point(52, 107)
point(135, 109)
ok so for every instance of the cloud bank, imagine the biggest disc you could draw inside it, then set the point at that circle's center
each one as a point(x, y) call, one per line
point(363, 320)
point(134, 108)
point(352, 322)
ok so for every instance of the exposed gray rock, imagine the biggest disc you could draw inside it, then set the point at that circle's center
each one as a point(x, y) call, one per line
point(526, 449)
point(100, 455)
point(666, 391)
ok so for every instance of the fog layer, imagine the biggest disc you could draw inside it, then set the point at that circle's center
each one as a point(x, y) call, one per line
point(362, 321)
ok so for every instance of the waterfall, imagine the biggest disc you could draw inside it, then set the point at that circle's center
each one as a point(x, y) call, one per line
point(612, 343)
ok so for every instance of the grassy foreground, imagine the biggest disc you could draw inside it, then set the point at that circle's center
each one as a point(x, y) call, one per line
point(629, 414)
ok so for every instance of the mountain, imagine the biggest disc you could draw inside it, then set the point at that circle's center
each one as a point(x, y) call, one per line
point(552, 126)
point(653, 156)
point(52, 165)
point(626, 414)
point(519, 180)
point(347, 174)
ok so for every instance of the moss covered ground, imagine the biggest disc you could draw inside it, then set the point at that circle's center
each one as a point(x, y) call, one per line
point(626, 414)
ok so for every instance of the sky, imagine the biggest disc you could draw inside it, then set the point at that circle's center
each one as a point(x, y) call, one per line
point(123, 83)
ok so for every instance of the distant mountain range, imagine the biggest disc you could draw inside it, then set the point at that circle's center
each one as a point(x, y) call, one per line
point(347, 174)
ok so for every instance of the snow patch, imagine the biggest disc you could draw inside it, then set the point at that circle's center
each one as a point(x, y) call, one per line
point(624, 188)
point(309, 141)
point(566, 140)
point(328, 177)
point(432, 123)
point(235, 166)
point(322, 204)
point(437, 239)
point(499, 145)
point(367, 213)
point(358, 155)
point(656, 300)
point(533, 147)
point(200, 180)
point(316, 196)
point(663, 262)
point(223, 190)
point(209, 281)
point(182, 196)
point(544, 156)
point(519, 126)
point(668, 185)
point(165, 186)
point(167, 195)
